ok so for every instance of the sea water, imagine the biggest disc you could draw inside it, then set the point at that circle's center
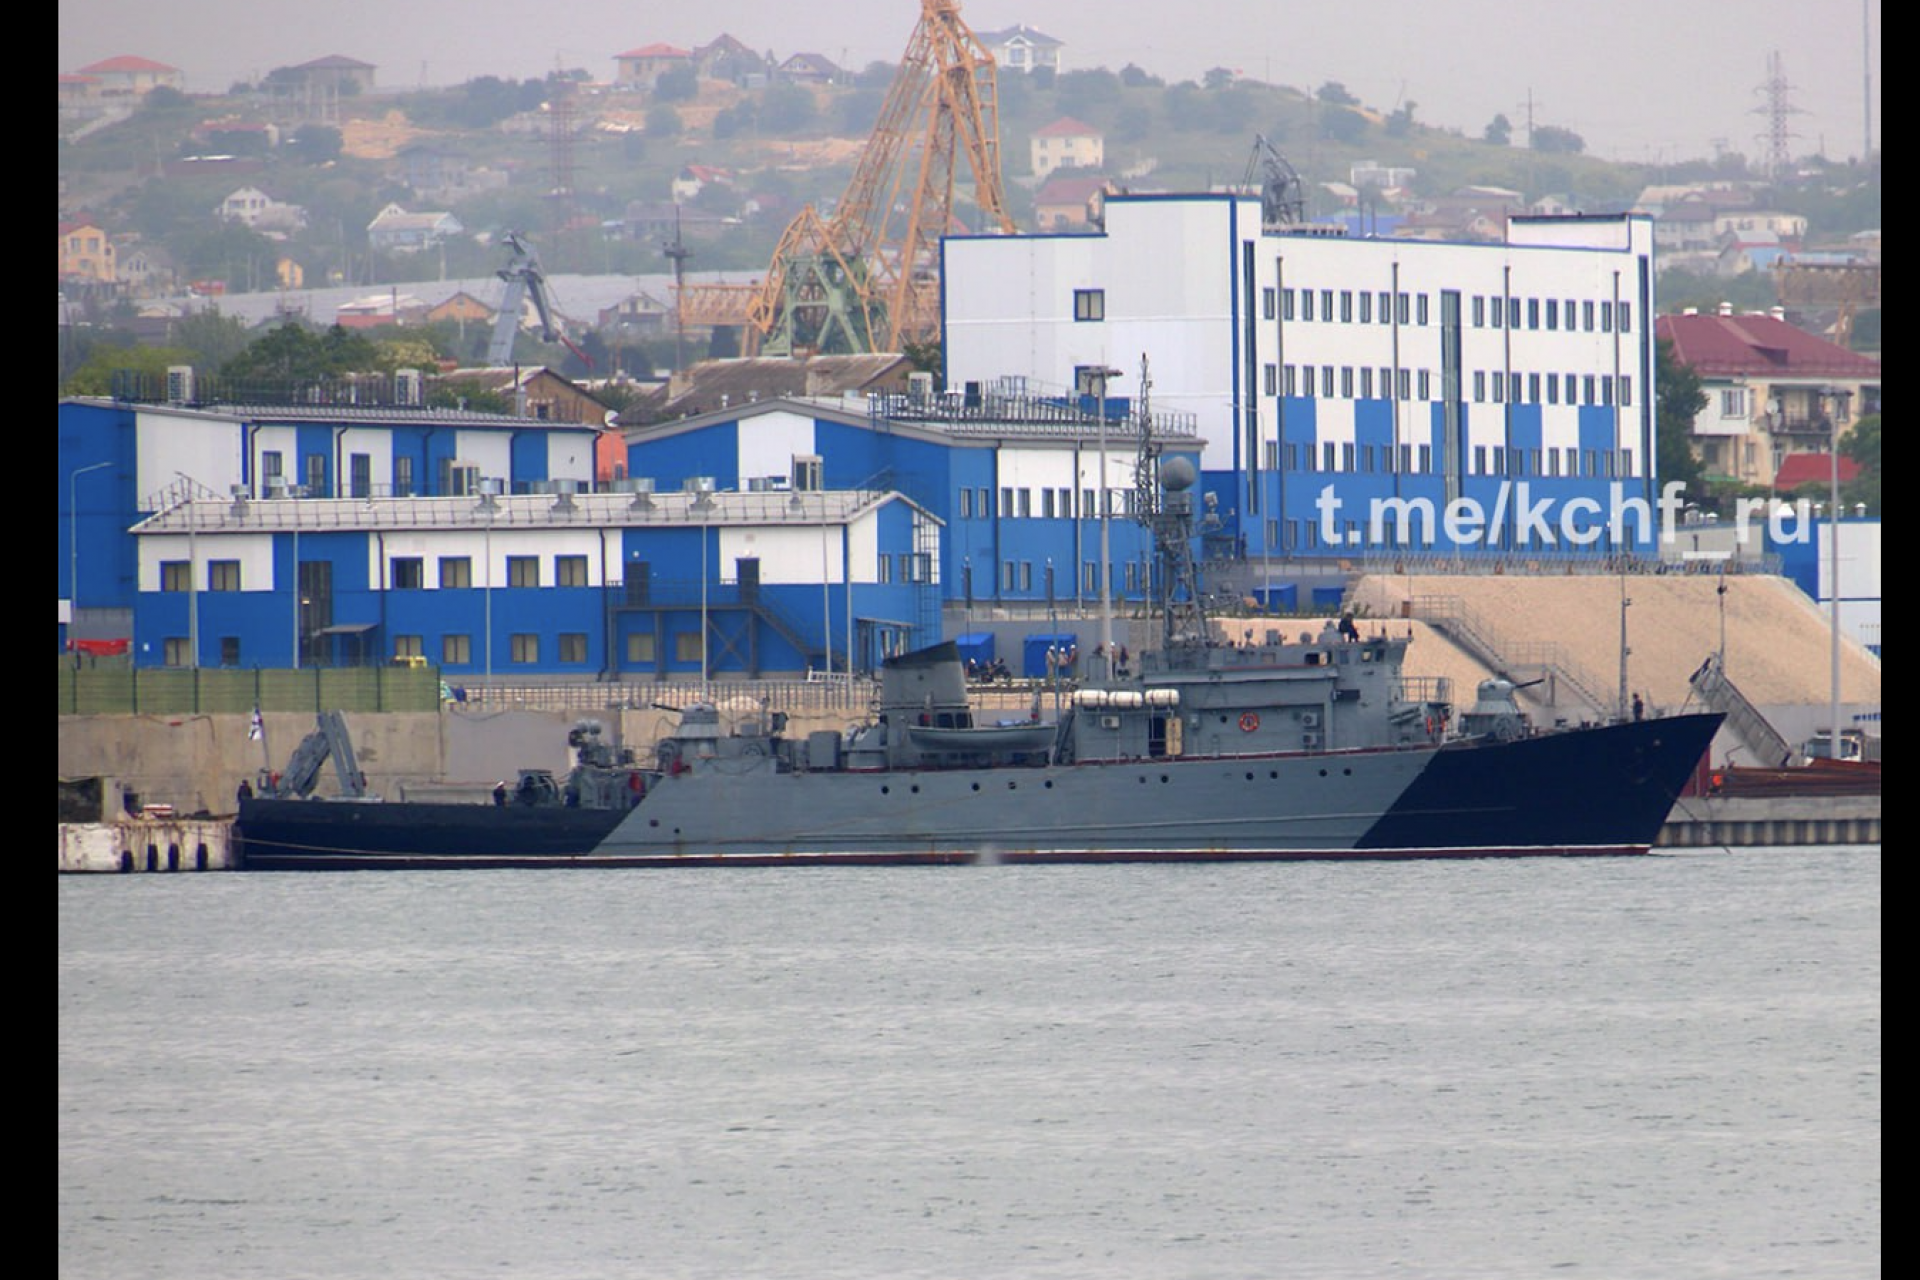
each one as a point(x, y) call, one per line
point(1645, 1067)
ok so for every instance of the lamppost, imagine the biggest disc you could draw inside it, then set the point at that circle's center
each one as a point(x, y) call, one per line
point(1837, 402)
point(703, 503)
point(73, 544)
point(193, 574)
point(1101, 374)
point(489, 508)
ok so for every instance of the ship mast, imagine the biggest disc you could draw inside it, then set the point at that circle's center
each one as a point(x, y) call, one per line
point(1163, 502)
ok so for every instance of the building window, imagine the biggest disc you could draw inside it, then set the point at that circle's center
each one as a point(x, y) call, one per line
point(1366, 381)
point(223, 575)
point(806, 472)
point(1026, 504)
point(1290, 385)
point(1006, 501)
point(686, 647)
point(1327, 455)
point(1089, 304)
point(1346, 456)
point(1326, 305)
point(1479, 459)
point(883, 568)
point(456, 650)
point(408, 573)
point(1046, 504)
point(270, 466)
point(1286, 304)
point(1306, 304)
point(1586, 316)
point(966, 504)
point(524, 646)
point(229, 651)
point(640, 647)
point(1346, 306)
point(569, 571)
point(1606, 317)
point(1533, 388)
point(1626, 317)
point(1499, 388)
point(176, 652)
point(1386, 308)
point(1479, 384)
point(573, 647)
point(1499, 313)
point(1553, 314)
point(1420, 308)
point(1268, 306)
point(1026, 575)
point(1426, 459)
point(1270, 379)
point(1400, 302)
point(984, 507)
point(1626, 389)
point(456, 571)
point(1366, 307)
point(1553, 388)
point(403, 477)
point(1479, 312)
point(1346, 382)
point(409, 647)
point(175, 576)
point(316, 474)
point(1404, 387)
point(360, 472)
point(1733, 403)
point(1426, 384)
point(1513, 313)
point(523, 571)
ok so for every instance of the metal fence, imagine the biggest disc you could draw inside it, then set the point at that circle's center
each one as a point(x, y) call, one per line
point(123, 689)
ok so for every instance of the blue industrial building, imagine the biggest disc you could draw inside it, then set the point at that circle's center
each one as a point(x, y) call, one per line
point(783, 536)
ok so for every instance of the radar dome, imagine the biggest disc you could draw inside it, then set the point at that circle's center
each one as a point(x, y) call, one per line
point(1176, 474)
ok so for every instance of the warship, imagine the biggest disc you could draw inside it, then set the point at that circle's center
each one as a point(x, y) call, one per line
point(1314, 745)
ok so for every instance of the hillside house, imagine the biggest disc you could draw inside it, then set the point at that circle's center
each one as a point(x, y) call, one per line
point(1066, 144)
point(1772, 390)
point(128, 76)
point(640, 69)
point(394, 230)
point(86, 253)
point(1021, 48)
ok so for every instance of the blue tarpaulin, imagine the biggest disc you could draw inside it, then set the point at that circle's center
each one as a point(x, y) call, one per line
point(1035, 654)
point(976, 646)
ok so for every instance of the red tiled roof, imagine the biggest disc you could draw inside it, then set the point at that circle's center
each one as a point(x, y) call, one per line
point(1724, 346)
point(1067, 127)
point(127, 62)
point(1797, 469)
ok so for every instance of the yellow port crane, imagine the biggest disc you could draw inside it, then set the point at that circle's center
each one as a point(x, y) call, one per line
point(866, 277)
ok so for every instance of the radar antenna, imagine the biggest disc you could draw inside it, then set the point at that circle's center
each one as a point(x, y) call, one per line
point(1164, 504)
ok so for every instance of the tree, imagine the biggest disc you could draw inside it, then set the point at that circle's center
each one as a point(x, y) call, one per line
point(1677, 403)
point(1499, 132)
point(663, 121)
point(1338, 124)
point(315, 144)
point(1557, 141)
point(1217, 78)
point(682, 84)
point(1400, 123)
point(293, 354)
point(788, 108)
point(1133, 77)
point(95, 375)
point(1335, 94)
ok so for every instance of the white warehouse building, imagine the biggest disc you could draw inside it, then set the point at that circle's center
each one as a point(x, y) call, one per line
point(1348, 390)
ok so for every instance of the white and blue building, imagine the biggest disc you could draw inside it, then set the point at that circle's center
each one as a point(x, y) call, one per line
point(1350, 392)
point(205, 535)
point(1015, 478)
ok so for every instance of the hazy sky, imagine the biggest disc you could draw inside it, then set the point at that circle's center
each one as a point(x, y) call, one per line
point(1639, 80)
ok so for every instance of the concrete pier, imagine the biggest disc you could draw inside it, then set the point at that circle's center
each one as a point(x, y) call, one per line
point(148, 845)
point(1707, 821)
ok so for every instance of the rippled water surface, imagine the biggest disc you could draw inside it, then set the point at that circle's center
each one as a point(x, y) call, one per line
point(1653, 1067)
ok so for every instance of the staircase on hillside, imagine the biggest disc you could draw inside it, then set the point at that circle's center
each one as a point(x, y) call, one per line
point(1720, 693)
point(1517, 660)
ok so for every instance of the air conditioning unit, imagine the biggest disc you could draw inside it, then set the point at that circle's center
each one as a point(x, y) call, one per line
point(1310, 741)
point(1311, 719)
point(179, 384)
point(1109, 722)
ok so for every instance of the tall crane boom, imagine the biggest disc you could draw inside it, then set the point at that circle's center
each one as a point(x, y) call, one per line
point(866, 279)
point(524, 280)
